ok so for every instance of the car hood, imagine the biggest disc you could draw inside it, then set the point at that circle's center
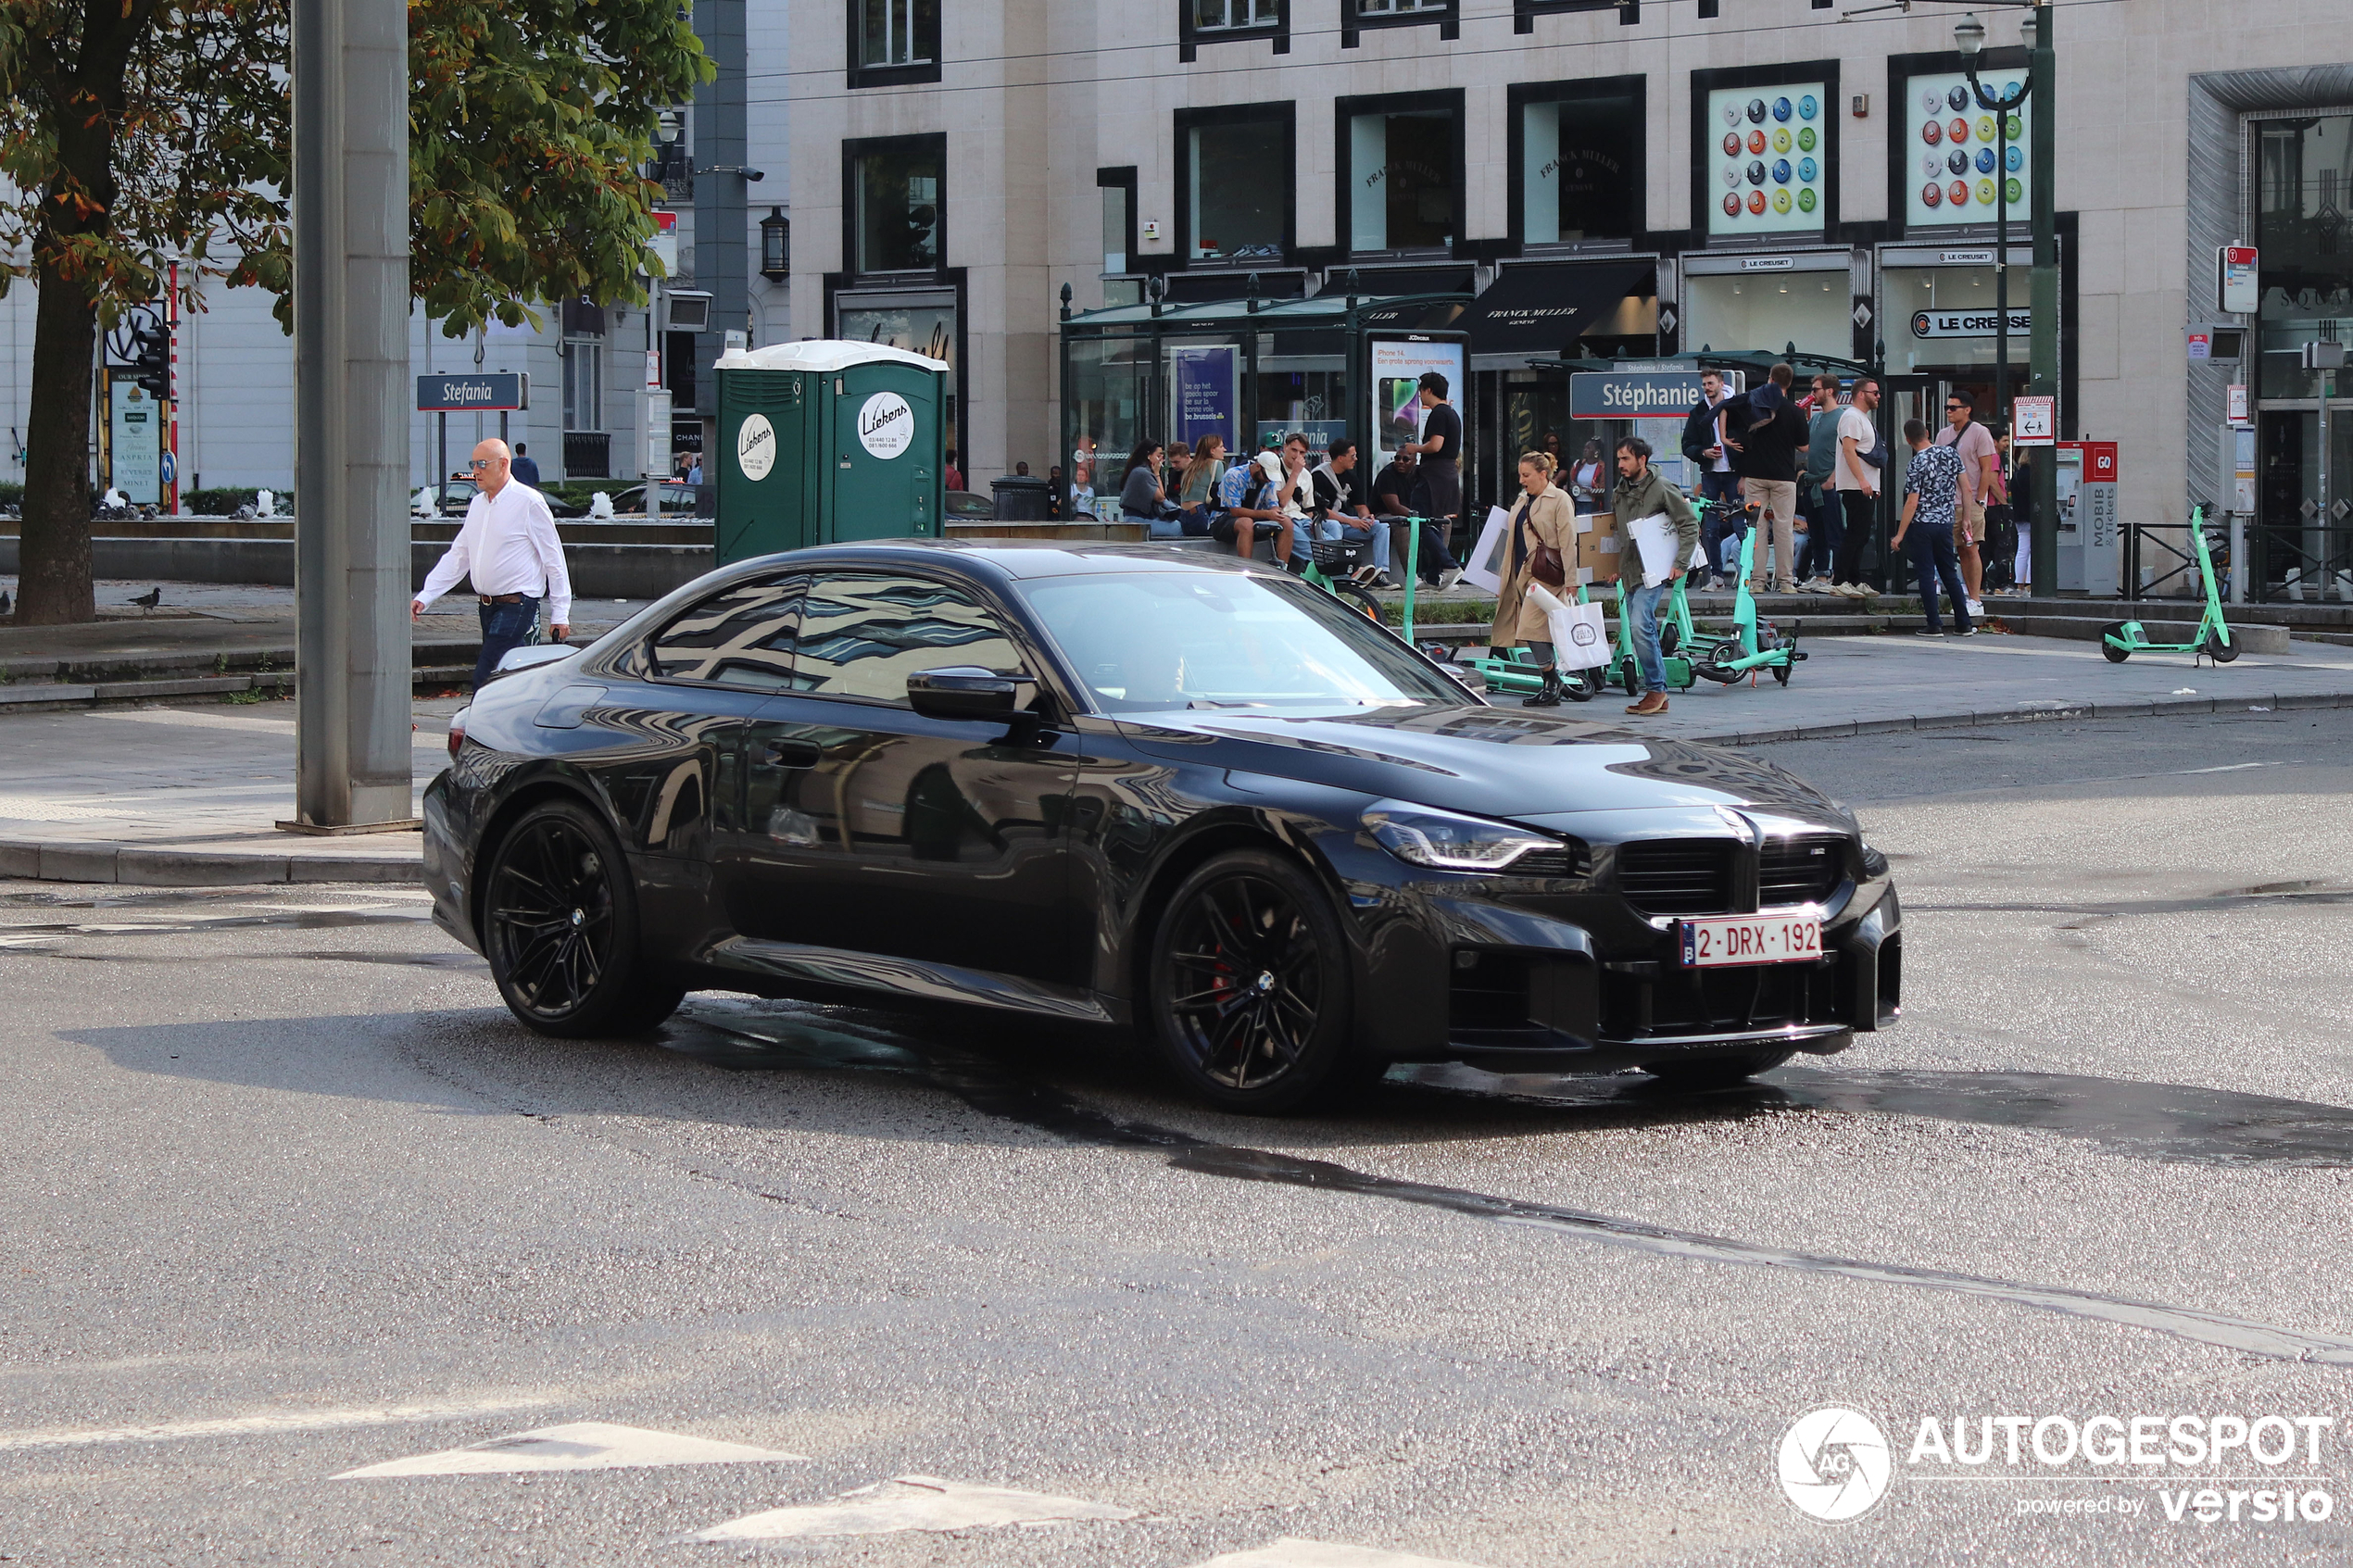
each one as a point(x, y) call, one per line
point(1532, 767)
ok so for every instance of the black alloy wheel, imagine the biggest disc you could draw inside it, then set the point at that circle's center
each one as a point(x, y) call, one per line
point(1716, 1072)
point(1250, 985)
point(560, 927)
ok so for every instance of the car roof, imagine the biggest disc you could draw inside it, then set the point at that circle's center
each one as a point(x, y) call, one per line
point(1008, 558)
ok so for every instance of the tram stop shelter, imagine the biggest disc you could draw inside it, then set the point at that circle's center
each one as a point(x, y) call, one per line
point(1248, 371)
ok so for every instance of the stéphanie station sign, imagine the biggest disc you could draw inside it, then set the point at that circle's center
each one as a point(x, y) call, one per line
point(477, 393)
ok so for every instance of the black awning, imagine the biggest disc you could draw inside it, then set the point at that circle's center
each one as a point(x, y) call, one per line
point(1543, 308)
point(1204, 288)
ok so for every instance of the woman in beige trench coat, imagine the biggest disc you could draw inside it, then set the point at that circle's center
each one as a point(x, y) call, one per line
point(1543, 515)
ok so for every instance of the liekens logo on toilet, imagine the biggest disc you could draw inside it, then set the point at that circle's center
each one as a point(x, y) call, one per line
point(886, 425)
point(756, 446)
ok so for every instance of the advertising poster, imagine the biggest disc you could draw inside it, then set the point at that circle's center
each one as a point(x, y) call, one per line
point(1397, 365)
point(1208, 392)
point(1768, 162)
point(1950, 141)
point(137, 444)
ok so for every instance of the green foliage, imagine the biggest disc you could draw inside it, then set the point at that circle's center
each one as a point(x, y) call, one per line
point(218, 501)
point(11, 496)
point(163, 131)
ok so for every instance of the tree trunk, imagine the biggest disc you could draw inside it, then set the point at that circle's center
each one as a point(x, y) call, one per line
point(53, 567)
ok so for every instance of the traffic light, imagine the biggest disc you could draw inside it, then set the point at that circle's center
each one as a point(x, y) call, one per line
point(151, 366)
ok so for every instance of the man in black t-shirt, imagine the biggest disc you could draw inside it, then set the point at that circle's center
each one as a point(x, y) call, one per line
point(1440, 448)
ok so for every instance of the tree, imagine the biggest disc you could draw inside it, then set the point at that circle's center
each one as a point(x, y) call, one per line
point(135, 132)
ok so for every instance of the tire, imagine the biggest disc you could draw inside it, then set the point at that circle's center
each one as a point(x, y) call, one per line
point(1265, 1044)
point(1670, 638)
point(1715, 1073)
point(2219, 651)
point(2115, 655)
point(1580, 685)
point(1781, 671)
point(560, 927)
point(1359, 599)
point(1629, 677)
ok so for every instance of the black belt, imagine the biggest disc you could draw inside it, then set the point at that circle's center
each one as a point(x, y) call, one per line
point(502, 598)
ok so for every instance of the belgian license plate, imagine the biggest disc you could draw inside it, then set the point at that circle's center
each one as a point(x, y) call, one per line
point(1750, 940)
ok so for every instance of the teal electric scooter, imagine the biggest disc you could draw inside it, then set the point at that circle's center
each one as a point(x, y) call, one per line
point(1676, 639)
point(1753, 646)
point(2121, 639)
point(1514, 671)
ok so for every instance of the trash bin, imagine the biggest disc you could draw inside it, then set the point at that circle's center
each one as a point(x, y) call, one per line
point(1022, 497)
point(823, 441)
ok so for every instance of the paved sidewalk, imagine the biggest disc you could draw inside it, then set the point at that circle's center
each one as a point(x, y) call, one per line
point(186, 795)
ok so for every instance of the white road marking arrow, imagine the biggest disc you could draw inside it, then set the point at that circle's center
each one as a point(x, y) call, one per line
point(1291, 1552)
point(583, 1445)
point(908, 1503)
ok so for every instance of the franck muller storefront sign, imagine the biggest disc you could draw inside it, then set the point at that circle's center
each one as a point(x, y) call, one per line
point(1968, 323)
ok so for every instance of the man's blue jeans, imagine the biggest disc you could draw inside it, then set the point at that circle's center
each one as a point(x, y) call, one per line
point(504, 628)
point(1930, 548)
point(1643, 603)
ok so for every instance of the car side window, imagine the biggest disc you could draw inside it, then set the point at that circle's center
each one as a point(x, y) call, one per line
point(863, 636)
point(742, 636)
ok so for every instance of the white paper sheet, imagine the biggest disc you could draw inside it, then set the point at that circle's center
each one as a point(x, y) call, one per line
point(1655, 537)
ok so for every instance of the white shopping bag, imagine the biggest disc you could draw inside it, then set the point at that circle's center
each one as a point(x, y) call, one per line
point(1579, 636)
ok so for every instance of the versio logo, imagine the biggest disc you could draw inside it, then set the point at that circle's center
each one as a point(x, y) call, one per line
point(1834, 1465)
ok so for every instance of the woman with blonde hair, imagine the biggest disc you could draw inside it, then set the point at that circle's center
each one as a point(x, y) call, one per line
point(1541, 544)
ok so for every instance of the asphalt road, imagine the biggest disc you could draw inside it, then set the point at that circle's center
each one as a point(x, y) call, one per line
point(283, 1195)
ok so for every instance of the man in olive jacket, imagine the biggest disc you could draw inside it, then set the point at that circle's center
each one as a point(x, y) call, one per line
point(1640, 493)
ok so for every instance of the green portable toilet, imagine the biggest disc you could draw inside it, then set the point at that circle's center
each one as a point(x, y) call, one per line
point(820, 442)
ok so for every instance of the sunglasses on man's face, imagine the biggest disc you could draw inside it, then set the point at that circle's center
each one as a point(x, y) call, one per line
point(486, 462)
point(1954, 408)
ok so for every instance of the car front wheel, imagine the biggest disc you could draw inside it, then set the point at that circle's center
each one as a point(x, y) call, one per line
point(560, 927)
point(1249, 985)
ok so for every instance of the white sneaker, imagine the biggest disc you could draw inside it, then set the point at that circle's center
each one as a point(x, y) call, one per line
point(1449, 577)
point(1847, 590)
point(1815, 585)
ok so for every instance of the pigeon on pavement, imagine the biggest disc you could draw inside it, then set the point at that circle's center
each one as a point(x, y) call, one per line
point(151, 598)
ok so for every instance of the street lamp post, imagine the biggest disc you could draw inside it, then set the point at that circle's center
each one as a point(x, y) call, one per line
point(2044, 380)
point(1968, 34)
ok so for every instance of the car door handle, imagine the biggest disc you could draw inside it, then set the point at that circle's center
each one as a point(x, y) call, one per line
point(793, 754)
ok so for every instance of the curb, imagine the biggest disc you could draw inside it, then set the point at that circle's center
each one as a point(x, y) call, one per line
point(37, 860)
point(2154, 707)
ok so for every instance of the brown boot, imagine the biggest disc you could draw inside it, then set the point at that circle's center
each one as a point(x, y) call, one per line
point(1652, 703)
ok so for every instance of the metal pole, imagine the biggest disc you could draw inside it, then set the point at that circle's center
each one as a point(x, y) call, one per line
point(2322, 557)
point(2002, 271)
point(352, 666)
point(2044, 374)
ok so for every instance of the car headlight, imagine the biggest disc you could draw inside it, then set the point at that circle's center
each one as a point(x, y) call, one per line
point(1443, 840)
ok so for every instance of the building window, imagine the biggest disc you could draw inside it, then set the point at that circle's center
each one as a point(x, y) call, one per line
point(893, 40)
point(2304, 227)
point(1238, 189)
point(584, 384)
point(899, 205)
point(1229, 16)
point(1445, 15)
point(1401, 180)
point(1117, 188)
point(1379, 8)
point(1578, 170)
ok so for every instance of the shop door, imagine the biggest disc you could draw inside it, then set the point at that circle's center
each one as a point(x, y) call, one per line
point(2304, 548)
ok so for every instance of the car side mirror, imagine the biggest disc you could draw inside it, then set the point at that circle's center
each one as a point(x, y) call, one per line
point(965, 691)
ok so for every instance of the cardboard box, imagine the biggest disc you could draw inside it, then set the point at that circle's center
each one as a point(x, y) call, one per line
point(1597, 543)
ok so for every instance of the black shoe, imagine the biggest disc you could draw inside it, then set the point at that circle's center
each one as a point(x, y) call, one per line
point(1548, 697)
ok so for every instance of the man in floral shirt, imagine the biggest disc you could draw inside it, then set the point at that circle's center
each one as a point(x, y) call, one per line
point(1248, 511)
point(1932, 488)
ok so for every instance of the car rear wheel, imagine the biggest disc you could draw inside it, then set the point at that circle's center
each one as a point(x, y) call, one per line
point(1249, 985)
point(560, 927)
point(1714, 1072)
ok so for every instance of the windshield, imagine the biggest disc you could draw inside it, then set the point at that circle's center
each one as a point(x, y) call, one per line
point(1151, 641)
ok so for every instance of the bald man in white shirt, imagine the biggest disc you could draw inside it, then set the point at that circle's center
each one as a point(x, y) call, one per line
point(507, 545)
